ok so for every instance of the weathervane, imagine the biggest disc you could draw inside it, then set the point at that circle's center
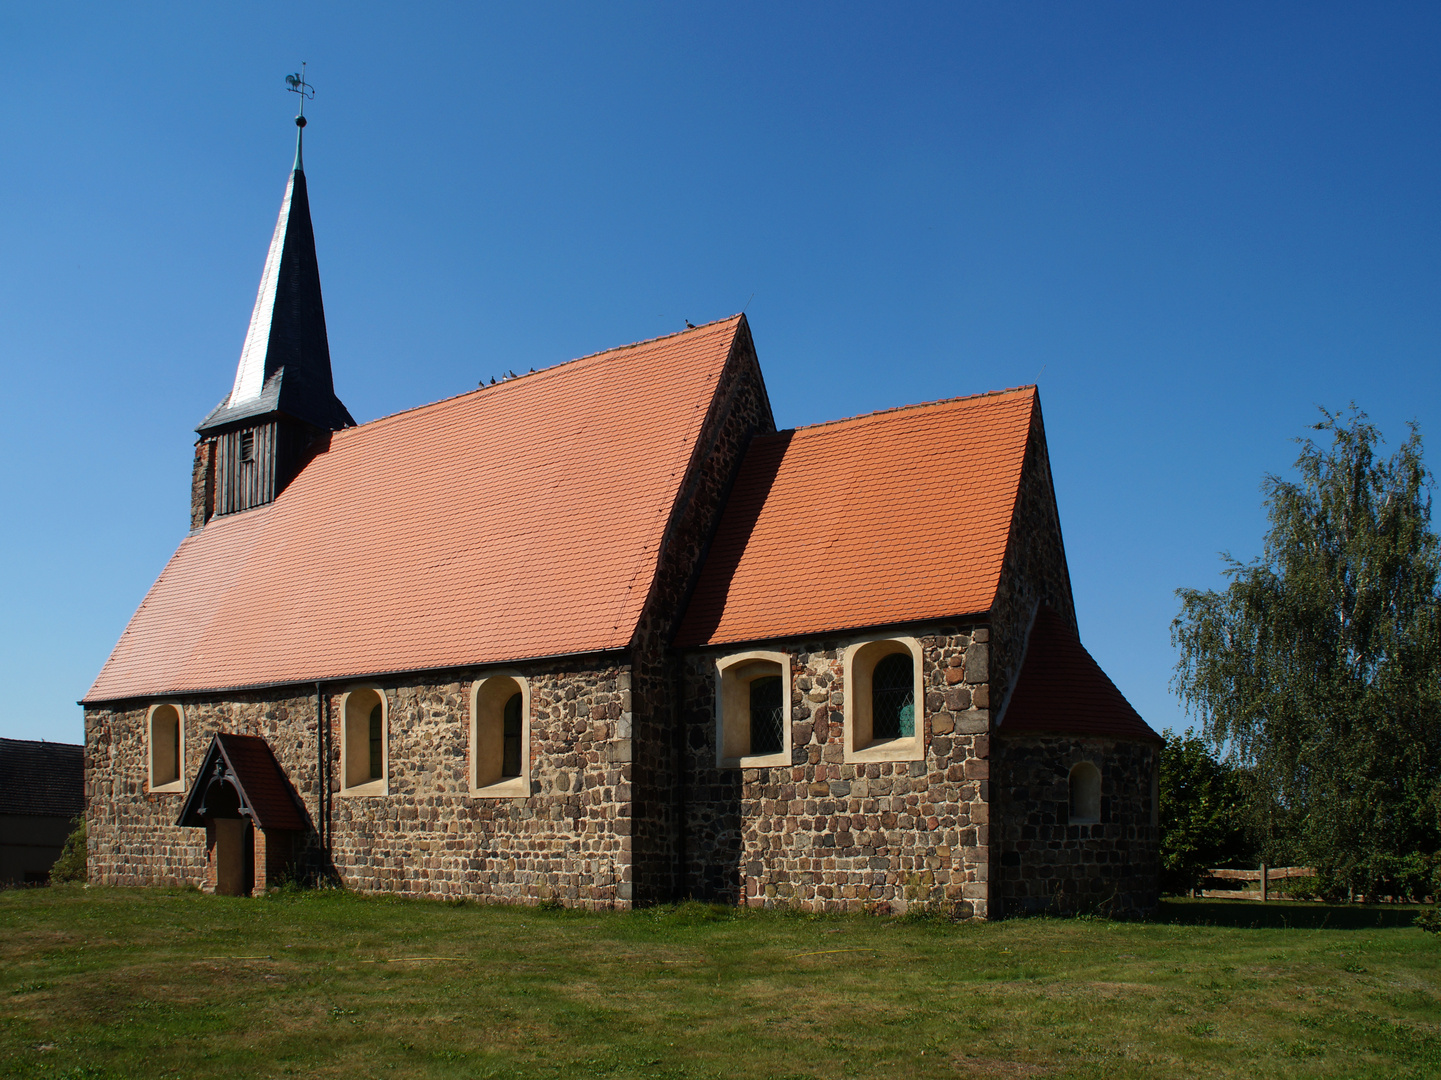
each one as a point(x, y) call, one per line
point(296, 84)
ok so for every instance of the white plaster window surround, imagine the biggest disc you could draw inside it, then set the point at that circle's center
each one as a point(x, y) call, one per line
point(165, 747)
point(360, 773)
point(498, 771)
point(861, 741)
point(1084, 793)
point(737, 681)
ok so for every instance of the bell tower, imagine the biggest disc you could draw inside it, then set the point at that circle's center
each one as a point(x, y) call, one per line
point(283, 400)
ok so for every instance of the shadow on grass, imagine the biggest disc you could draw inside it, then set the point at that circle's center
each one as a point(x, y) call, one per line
point(1281, 914)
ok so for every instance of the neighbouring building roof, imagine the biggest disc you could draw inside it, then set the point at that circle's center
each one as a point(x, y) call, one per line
point(285, 362)
point(520, 520)
point(248, 765)
point(1062, 690)
point(41, 778)
point(887, 518)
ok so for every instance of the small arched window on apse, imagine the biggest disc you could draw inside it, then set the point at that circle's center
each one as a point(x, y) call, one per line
point(1085, 794)
point(884, 714)
point(753, 708)
point(500, 737)
point(364, 750)
point(165, 742)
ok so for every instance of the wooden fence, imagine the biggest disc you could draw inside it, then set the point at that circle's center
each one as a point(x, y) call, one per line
point(1235, 884)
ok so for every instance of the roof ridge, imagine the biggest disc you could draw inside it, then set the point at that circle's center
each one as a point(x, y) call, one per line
point(42, 742)
point(915, 405)
point(541, 371)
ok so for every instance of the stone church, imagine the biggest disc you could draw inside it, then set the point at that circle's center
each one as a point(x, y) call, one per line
point(601, 634)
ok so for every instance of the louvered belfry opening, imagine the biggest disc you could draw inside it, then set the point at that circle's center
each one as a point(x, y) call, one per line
point(253, 465)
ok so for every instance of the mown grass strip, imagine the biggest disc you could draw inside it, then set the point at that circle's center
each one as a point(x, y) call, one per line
point(112, 983)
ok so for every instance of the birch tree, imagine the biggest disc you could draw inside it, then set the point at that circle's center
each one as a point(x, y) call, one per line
point(1318, 666)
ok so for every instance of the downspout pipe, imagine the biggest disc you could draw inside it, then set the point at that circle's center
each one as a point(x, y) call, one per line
point(322, 780)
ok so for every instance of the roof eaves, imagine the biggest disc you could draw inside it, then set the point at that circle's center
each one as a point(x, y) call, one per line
point(844, 630)
point(362, 676)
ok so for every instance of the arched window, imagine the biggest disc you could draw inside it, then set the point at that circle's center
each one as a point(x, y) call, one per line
point(753, 705)
point(500, 737)
point(364, 747)
point(165, 737)
point(1085, 794)
point(883, 716)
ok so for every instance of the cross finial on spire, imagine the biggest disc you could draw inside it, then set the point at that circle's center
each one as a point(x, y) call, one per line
point(296, 84)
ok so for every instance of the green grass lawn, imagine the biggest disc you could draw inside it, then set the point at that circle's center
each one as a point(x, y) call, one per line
point(156, 983)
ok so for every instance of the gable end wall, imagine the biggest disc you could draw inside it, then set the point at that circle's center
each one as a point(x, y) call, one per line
point(1034, 570)
point(739, 411)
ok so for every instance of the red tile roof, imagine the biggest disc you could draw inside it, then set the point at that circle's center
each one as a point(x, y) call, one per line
point(516, 521)
point(887, 518)
point(1062, 690)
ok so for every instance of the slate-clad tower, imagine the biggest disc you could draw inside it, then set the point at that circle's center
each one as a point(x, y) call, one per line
point(252, 444)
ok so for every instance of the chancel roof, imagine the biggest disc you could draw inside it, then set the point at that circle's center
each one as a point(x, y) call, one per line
point(285, 361)
point(520, 520)
point(887, 518)
point(1062, 690)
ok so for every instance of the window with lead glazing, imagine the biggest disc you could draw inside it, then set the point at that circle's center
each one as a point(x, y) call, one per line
point(510, 752)
point(883, 710)
point(767, 715)
point(753, 705)
point(893, 698)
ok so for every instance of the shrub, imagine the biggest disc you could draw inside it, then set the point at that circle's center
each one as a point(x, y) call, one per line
point(71, 866)
point(1202, 813)
point(1429, 920)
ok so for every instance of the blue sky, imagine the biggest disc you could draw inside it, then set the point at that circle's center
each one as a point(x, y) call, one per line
point(1191, 226)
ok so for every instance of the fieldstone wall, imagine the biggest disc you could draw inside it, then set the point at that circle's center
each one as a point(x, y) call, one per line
point(202, 484)
point(1048, 865)
point(1034, 570)
point(822, 834)
point(739, 411)
point(569, 840)
point(132, 836)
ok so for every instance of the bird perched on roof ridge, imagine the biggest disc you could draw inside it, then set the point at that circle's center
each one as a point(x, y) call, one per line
point(689, 325)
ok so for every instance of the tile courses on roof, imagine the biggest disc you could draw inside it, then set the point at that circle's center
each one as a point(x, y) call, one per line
point(1062, 690)
point(44, 778)
point(520, 520)
point(891, 517)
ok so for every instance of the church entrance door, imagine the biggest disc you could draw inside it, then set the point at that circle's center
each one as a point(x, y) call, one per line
point(234, 856)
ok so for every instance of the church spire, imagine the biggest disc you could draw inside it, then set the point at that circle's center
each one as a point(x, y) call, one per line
point(283, 403)
point(285, 363)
